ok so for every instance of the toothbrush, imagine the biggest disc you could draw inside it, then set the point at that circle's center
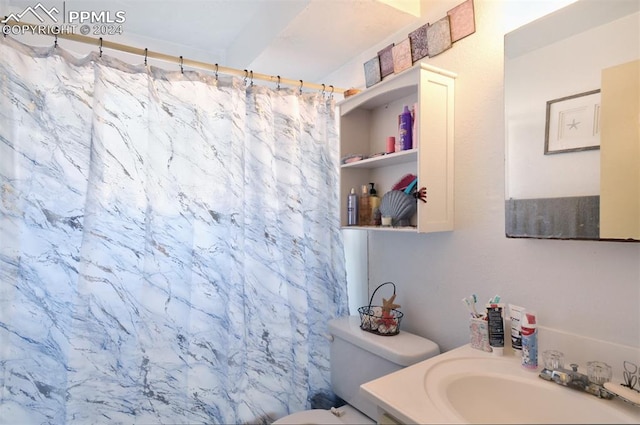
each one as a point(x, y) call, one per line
point(474, 297)
point(494, 300)
point(467, 302)
point(471, 307)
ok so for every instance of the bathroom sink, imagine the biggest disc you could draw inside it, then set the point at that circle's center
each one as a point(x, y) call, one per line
point(471, 386)
point(496, 390)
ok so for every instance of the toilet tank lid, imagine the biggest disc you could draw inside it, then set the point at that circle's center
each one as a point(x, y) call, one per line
point(403, 349)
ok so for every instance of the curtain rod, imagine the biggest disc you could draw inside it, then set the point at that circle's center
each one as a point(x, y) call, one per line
point(146, 53)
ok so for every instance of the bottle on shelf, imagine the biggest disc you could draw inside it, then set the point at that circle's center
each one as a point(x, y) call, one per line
point(398, 146)
point(352, 208)
point(414, 130)
point(406, 129)
point(374, 202)
point(364, 207)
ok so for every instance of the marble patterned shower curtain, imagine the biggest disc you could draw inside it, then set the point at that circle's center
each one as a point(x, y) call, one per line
point(169, 244)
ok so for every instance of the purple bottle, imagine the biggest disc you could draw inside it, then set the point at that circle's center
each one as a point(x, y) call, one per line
point(406, 129)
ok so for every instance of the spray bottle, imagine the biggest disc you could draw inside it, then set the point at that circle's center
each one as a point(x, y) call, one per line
point(406, 129)
point(352, 208)
point(529, 331)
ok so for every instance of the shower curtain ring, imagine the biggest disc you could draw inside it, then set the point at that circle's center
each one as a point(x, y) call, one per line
point(278, 86)
point(55, 41)
point(322, 92)
point(300, 89)
point(100, 47)
point(331, 95)
point(181, 63)
point(216, 72)
point(146, 53)
point(251, 81)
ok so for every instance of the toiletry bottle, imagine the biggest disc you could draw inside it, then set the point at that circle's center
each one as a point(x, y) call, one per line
point(406, 129)
point(398, 146)
point(364, 207)
point(529, 333)
point(414, 129)
point(495, 317)
point(374, 201)
point(352, 208)
point(515, 314)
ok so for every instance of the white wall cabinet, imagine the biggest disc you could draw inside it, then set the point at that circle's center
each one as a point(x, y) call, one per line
point(368, 118)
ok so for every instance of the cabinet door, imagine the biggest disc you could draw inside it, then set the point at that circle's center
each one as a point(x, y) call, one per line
point(435, 155)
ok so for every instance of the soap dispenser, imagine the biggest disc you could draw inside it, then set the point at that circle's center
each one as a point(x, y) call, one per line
point(374, 202)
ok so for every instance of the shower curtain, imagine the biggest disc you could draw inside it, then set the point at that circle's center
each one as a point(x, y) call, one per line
point(170, 248)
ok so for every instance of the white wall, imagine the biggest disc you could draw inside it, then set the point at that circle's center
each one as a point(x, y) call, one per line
point(583, 287)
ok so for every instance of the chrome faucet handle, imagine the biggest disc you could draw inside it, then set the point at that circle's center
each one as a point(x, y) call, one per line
point(546, 374)
point(559, 377)
point(578, 380)
point(574, 379)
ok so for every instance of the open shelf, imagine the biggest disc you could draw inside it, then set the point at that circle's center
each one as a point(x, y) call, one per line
point(368, 118)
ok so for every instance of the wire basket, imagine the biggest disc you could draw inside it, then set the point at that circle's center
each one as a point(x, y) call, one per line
point(373, 319)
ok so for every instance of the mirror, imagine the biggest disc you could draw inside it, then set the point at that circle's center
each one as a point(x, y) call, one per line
point(572, 111)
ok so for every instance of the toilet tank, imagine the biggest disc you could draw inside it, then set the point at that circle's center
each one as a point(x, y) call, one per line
point(358, 357)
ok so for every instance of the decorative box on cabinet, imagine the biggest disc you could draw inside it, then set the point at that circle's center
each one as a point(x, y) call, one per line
point(368, 118)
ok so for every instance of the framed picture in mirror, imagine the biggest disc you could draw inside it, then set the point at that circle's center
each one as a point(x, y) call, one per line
point(573, 123)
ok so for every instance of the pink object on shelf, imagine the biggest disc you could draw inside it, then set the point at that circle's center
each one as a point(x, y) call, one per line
point(404, 182)
point(391, 144)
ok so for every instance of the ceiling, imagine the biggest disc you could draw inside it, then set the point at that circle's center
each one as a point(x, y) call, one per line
point(299, 39)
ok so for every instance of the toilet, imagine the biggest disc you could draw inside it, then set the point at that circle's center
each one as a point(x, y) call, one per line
point(358, 357)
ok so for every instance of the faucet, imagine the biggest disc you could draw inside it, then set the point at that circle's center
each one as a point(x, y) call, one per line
point(576, 380)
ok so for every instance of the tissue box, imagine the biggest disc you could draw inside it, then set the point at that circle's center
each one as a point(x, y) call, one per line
point(479, 334)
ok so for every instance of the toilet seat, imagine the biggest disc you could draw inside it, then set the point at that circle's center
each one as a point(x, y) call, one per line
point(321, 416)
